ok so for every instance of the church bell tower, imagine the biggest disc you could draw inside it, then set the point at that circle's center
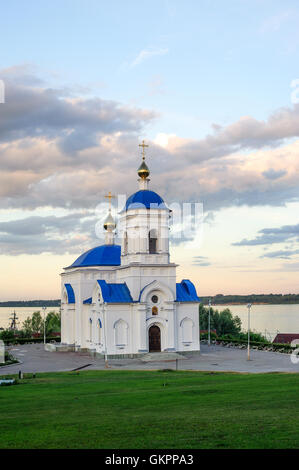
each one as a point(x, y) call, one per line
point(144, 223)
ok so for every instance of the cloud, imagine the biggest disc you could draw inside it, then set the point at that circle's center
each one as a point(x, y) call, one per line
point(290, 267)
point(272, 174)
point(209, 218)
point(283, 254)
point(35, 235)
point(245, 134)
point(55, 114)
point(61, 150)
point(200, 261)
point(58, 149)
point(23, 75)
point(272, 235)
point(273, 23)
point(147, 54)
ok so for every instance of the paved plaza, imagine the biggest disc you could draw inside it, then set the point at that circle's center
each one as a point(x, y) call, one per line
point(34, 358)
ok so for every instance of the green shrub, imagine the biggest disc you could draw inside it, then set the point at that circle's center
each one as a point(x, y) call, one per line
point(260, 344)
point(7, 335)
point(206, 335)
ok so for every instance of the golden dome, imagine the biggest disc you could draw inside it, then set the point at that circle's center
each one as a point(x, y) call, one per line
point(143, 171)
point(109, 223)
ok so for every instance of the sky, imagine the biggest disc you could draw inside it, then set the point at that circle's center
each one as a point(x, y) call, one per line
point(213, 88)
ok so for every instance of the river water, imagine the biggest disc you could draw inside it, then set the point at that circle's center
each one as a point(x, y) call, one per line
point(266, 319)
point(22, 313)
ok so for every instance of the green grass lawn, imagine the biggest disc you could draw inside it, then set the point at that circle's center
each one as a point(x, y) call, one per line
point(151, 410)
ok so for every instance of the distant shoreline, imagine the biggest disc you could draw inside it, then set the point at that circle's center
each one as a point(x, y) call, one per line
point(261, 299)
point(256, 299)
point(253, 303)
point(30, 303)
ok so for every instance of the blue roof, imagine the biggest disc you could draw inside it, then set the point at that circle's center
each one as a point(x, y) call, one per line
point(70, 293)
point(145, 199)
point(104, 255)
point(88, 301)
point(186, 292)
point(115, 293)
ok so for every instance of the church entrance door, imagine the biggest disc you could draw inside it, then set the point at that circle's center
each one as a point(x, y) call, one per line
point(154, 339)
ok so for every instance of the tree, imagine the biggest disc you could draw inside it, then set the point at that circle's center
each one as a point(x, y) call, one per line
point(7, 335)
point(53, 323)
point(223, 322)
point(33, 325)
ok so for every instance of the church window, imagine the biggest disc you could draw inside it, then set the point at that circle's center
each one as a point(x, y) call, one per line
point(187, 330)
point(155, 310)
point(121, 333)
point(152, 239)
point(155, 299)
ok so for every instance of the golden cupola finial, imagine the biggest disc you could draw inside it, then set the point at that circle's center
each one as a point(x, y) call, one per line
point(109, 223)
point(143, 170)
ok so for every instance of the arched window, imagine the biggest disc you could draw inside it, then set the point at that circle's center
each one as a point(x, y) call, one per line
point(121, 333)
point(152, 241)
point(187, 330)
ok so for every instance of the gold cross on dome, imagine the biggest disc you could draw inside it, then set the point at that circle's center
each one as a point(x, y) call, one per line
point(143, 145)
point(109, 196)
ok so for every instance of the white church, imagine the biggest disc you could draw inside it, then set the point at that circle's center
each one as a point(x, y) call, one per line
point(124, 300)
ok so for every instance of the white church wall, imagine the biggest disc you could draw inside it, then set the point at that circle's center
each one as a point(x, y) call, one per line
point(86, 314)
point(187, 325)
point(137, 277)
point(118, 328)
point(68, 318)
point(82, 280)
point(139, 319)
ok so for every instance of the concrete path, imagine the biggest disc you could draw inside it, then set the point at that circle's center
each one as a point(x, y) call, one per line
point(213, 358)
point(162, 357)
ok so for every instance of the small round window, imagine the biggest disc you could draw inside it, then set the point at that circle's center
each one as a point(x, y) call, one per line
point(155, 299)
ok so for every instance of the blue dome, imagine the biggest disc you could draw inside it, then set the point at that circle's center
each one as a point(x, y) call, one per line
point(104, 255)
point(145, 199)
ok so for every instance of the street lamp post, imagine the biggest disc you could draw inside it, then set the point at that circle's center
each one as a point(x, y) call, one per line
point(44, 309)
point(248, 347)
point(209, 327)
